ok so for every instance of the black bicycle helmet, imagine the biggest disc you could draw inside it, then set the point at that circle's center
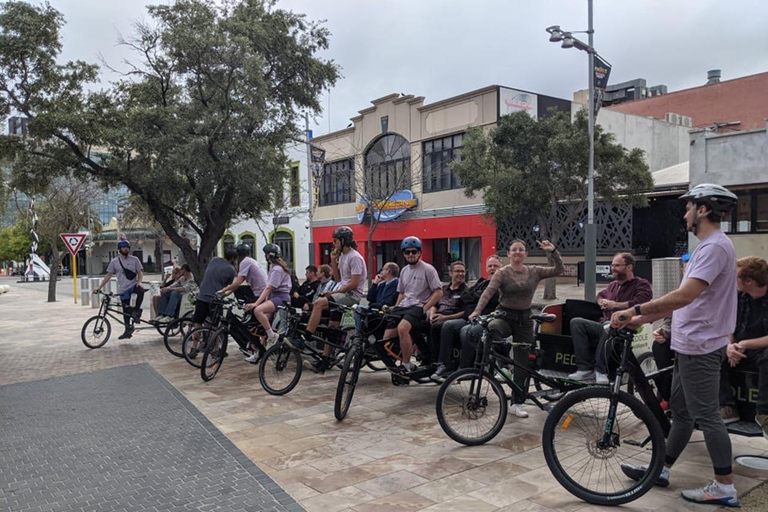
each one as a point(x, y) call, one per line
point(272, 251)
point(715, 197)
point(243, 250)
point(345, 234)
point(410, 242)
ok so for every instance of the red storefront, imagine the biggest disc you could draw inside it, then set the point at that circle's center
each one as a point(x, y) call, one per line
point(471, 238)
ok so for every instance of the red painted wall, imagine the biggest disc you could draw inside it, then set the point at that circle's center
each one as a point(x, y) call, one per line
point(465, 226)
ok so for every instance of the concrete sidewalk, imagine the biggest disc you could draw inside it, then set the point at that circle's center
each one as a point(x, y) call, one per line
point(389, 454)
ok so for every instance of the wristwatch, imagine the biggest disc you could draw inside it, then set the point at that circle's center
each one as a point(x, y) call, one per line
point(637, 309)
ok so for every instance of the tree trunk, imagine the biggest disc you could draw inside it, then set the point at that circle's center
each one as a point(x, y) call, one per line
point(159, 253)
point(55, 263)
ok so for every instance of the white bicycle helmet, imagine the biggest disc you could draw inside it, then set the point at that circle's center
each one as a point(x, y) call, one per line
point(716, 197)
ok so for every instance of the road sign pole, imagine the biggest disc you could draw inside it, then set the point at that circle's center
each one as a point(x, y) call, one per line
point(74, 274)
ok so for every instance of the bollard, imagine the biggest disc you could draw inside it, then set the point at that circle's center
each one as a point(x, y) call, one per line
point(96, 302)
point(154, 291)
point(85, 291)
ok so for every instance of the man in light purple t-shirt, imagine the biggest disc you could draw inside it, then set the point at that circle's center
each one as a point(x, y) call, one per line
point(248, 270)
point(419, 290)
point(705, 315)
point(349, 269)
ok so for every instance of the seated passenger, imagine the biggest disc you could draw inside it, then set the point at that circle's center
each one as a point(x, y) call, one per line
point(626, 291)
point(382, 292)
point(449, 307)
point(460, 333)
point(307, 290)
point(172, 295)
point(419, 289)
point(168, 280)
point(748, 349)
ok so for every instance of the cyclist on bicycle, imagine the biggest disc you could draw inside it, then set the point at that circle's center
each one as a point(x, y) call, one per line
point(248, 270)
point(218, 273)
point(130, 273)
point(349, 269)
point(418, 290)
point(276, 293)
point(705, 317)
point(517, 283)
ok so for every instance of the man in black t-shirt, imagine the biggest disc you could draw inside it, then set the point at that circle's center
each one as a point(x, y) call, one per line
point(749, 344)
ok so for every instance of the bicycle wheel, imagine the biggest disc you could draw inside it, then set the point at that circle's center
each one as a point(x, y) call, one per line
point(280, 369)
point(96, 331)
point(195, 342)
point(572, 444)
point(471, 407)
point(350, 372)
point(174, 335)
point(215, 352)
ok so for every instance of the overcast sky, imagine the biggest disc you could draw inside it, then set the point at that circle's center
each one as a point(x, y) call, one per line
point(441, 48)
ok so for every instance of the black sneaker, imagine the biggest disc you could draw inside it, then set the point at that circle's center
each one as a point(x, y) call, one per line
point(637, 473)
point(320, 366)
point(127, 334)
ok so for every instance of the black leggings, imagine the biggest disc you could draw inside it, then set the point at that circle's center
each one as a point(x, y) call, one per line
point(128, 310)
point(515, 323)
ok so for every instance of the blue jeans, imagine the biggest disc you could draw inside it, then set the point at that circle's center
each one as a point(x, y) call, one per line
point(169, 303)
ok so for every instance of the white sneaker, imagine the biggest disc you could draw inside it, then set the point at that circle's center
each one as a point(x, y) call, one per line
point(253, 358)
point(582, 375)
point(518, 411)
point(272, 338)
point(601, 378)
point(158, 318)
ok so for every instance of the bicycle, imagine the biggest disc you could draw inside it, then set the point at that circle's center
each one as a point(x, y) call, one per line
point(367, 349)
point(623, 429)
point(281, 366)
point(246, 331)
point(97, 329)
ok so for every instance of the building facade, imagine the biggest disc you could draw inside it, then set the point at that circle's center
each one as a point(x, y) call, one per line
point(286, 225)
point(399, 149)
point(739, 161)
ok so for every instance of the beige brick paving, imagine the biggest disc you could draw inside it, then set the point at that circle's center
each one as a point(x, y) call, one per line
point(389, 454)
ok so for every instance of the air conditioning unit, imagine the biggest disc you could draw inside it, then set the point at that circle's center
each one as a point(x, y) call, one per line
point(686, 121)
point(671, 117)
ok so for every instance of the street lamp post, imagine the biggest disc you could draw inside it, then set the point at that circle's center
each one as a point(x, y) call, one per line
point(557, 35)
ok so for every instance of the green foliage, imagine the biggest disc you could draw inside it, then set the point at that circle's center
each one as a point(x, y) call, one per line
point(15, 242)
point(197, 126)
point(525, 167)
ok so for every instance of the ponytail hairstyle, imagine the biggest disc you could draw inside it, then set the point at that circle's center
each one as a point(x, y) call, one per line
point(276, 260)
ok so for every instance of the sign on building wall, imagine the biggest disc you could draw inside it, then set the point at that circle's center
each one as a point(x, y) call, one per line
point(399, 203)
point(511, 101)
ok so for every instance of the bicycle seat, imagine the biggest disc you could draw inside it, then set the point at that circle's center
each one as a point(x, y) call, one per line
point(545, 318)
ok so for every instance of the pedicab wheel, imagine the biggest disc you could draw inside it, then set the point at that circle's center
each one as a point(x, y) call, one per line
point(174, 334)
point(214, 355)
point(280, 369)
point(350, 372)
point(586, 465)
point(96, 331)
point(471, 407)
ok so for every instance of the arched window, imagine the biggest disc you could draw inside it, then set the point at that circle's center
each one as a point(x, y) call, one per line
point(284, 240)
point(228, 242)
point(248, 239)
point(387, 167)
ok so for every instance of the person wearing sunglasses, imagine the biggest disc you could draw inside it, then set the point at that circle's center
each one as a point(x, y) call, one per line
point(419, 290)
point(624, 292)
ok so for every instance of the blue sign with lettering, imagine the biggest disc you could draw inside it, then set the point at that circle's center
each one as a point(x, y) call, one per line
point(385, 211)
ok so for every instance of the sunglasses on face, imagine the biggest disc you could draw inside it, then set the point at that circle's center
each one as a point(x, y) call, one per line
point(410, 251)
